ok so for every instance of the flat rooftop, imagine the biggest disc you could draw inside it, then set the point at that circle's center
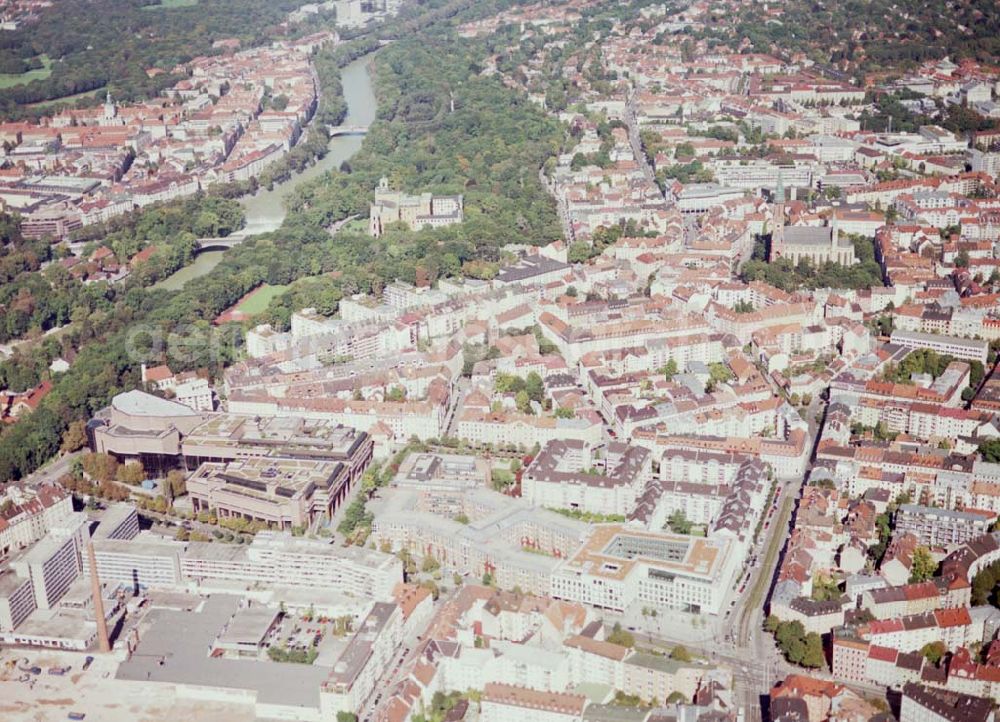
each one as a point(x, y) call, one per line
point(9, 581)
point(929, 511)
point(271, 542)
point(174, 649)
point(70, 184)
point(355, 655)
point(934, 338)
point(66, 624)
point(146, 544)
point(612, 550)
point(249, 626)
point(267, 477)
point(421, 468)
point(113, 518)
point(276, 435)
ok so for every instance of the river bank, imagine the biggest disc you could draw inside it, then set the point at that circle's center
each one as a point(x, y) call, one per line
point(265, 210)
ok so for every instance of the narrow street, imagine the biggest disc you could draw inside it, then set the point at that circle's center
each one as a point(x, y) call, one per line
point(561, 209)
point(633, 136)
point(51, 472)
point(407, 654)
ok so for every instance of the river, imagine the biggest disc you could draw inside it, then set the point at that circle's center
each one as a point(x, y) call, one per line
point(265, 210)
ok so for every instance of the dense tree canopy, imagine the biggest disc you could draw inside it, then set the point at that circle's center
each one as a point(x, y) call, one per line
point(442, 127)
point(113, 43)
point(869, 35)
point(35, 301)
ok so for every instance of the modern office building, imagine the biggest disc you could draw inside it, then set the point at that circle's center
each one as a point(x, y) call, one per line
point(40, 576)
point(120, 521)
point(17, 599)
point(442, 473)
point(229, 437)
point(54, 563)
point(961, 348)
point(618, 567)
point(441, 480)
point(143, 427)
point(282, 492)
point(146, 561)
point(273, 561)
point(164, 434)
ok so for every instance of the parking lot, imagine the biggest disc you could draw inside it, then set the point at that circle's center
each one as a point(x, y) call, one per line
point(296, 634)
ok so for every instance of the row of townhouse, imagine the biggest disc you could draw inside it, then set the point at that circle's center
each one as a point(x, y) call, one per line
point(786, 455)
point(854, 647)
point(743, 325)
point(576, 341)
point(918, 418)
point(504, 428)
point(888, 667)
point(401, 420)
point(704, 502)
point(657, 353)
point(27, 514)
point(948, 320)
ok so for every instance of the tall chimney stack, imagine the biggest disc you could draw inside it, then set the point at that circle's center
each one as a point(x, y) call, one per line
point(95, 586)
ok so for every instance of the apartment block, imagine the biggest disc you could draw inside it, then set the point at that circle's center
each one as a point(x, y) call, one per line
point(568, 475)
point(363, 662)
point(961, 348)
point(942, 527)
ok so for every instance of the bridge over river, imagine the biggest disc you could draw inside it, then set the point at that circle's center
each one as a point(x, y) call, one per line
point(265, 210)
point(348, 130)
point(221, 244)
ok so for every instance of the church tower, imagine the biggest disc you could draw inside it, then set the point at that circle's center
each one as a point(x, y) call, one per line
point(110, 110)
point(778, 221)
point(845, 257)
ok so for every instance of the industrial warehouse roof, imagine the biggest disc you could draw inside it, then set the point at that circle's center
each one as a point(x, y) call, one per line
point(174, 650)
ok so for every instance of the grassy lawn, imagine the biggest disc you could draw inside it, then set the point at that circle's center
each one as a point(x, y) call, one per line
point(260, 299)
point(97, 92)
point(170, 4)
point(358, 225)
point(9, 80)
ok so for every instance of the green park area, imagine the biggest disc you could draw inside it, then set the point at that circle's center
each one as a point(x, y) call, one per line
point(70, 99)
point(9, 80)
point(171, 4)
point(259, 300)
point(358, 225)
